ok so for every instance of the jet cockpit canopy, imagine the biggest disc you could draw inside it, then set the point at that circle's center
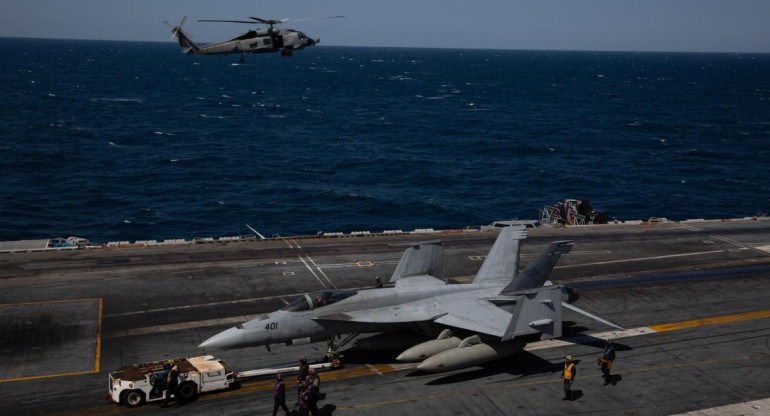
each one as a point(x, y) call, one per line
point(317, 299)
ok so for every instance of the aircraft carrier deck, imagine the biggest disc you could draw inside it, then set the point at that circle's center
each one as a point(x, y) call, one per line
point(694, 296)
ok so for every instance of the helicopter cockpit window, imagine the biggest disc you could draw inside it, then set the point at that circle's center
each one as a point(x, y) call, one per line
point(318, 299)
point(266, 41)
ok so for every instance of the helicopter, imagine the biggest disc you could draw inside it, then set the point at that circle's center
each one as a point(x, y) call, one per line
point(271, 39)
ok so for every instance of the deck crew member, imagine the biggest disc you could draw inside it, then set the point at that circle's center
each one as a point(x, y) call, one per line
point(605, 361)
point(310, 395)
point(304, 369)
point(316, 379)
point(377, 283)
point(279, 395)
point(569, 373)
point(172, 382)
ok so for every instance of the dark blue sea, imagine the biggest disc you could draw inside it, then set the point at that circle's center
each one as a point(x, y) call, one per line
point(129, 140)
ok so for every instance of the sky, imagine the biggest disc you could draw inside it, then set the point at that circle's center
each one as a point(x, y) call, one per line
point(596, 25)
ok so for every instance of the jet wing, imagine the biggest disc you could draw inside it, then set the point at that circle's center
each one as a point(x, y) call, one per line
point(417, 281)
point(476, 315)
point(457, 311)
point(526, 312)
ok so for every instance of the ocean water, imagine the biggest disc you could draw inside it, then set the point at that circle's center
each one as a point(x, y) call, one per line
point(129, 140)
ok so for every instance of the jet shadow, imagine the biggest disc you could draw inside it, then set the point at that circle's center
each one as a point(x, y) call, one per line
point(356, 355)
point(521, 364)
point(570, 329)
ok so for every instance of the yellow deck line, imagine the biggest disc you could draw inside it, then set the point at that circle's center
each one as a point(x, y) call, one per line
point(98, 341)
point(717, 320)
point(2, 305)
point(78, 373)
point(98, 338)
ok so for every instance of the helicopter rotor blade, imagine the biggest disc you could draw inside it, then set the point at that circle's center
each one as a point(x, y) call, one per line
point(229, 21)
point(184, 19)
point(317, 18)
point(174, 29)
point(268, 21)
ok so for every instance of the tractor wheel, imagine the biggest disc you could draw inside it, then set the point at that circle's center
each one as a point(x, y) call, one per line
point(187, 391)
point(134, 398)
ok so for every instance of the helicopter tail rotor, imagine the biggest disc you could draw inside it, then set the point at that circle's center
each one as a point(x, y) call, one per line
point(185, 40)
point(175, 29)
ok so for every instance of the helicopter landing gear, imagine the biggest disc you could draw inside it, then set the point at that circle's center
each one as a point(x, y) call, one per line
point(243, 58)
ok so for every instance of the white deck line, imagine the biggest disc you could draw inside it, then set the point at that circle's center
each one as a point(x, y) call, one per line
point(583, 338)
point(754, 408)
point(313, 273)
point(700, 253)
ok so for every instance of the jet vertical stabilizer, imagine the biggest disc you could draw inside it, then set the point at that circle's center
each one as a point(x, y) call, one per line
point(421, 259)
point(503, 258)
point(537, 272)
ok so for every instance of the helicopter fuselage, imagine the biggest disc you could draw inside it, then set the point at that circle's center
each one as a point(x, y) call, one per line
point(271, 39)
point(256, 41)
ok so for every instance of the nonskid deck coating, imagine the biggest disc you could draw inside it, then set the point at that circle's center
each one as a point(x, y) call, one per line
point(256, 274)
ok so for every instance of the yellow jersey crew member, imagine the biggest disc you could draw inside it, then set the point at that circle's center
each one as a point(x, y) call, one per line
point(570, 371)
point(172, 382)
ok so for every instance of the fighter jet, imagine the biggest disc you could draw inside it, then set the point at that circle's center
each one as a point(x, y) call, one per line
point(492, 313)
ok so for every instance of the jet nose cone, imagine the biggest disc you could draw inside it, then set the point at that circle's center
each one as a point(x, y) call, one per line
point(230, 338)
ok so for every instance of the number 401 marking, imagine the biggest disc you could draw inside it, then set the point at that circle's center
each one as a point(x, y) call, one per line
point(271, 326)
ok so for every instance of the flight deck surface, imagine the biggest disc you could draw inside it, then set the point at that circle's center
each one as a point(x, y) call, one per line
point(693, 296)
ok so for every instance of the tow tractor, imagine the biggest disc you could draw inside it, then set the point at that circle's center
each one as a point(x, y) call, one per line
point(135, 385)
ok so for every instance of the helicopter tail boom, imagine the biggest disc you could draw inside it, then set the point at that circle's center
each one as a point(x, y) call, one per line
point(188, 46)
point(185, 41)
